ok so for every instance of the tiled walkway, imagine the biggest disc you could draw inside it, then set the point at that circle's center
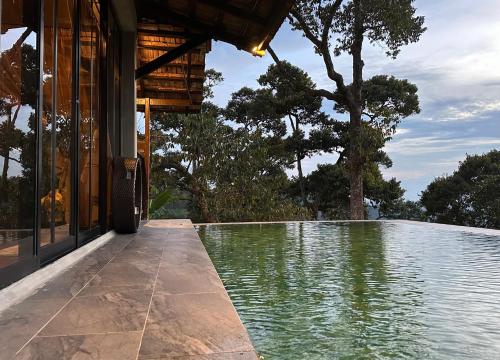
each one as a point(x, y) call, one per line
point(151, 295)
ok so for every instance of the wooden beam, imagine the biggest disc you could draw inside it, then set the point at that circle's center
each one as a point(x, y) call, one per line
point(167, 89)
point(170, 56)
point(164, 33)
point(174, 76)
point(195, 109)
point(178, 63)
point(170, 102)
point(161, 46)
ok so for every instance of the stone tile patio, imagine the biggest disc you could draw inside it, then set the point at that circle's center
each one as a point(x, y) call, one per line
point(151, 295)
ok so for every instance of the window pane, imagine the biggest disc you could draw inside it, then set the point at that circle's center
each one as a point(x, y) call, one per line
point(56, 123)
point(18, 85)
point(89, 117)
point(64, 119)
point(94, 185)
point(46, 193)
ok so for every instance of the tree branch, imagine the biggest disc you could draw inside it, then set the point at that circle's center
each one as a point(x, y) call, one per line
point(274, 56)
point(13, 159)
point(324, 50)
point(318, 92)
point(329, 21)
point(328, 95)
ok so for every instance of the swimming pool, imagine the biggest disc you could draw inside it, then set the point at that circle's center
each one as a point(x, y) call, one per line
point(362, 290)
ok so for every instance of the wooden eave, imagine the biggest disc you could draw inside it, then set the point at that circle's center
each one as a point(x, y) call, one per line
point(178, 85)
point(247, 24)
point(163, 26)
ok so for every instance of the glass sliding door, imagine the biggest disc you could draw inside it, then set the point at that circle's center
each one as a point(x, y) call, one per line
point(112, 144)
point(89, 125)
point(19, 81)
point(56, 216)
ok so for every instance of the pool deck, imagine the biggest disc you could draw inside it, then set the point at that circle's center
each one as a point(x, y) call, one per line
point(150, 295)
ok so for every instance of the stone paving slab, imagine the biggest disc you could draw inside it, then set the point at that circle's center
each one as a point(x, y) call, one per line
point(150, 295)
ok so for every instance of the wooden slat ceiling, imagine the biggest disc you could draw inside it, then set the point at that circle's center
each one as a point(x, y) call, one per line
point(163, 25)
point(244, 23)
point(177, 86)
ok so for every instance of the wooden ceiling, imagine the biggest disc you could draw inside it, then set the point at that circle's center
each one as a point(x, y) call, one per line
point(177, 86)
point(244, 23)
point(164, 25)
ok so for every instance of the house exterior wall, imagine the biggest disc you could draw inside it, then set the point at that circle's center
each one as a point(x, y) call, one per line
point(67, 108)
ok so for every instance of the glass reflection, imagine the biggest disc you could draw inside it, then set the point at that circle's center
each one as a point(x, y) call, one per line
point(56, 122)
point(18, 85)
point(89, 117)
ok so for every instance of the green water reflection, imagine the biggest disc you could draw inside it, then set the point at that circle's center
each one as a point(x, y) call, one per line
point(361, 290)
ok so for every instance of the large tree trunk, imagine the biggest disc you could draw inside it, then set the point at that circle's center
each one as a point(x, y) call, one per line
point(203, 205)
point(356, 200)
point(296, 130)
point(301, 180)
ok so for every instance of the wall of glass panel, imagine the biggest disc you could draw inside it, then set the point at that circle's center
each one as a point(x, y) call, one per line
point(56, 125)
point(19, 74)
point(89, 116)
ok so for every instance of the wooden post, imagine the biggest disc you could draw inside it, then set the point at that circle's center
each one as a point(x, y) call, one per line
point(147, 153)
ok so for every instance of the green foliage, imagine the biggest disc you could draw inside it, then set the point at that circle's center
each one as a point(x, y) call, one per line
point(291, 87)
point(391, 23)
point(406, 210)
point(384, 195)
point(16, 192)
point(385, 102)
point(231, 173)
point(250, 183)
point(255, 110)
point(328, 191)
point(470, 196)
point(160, 200)
point(341, 27)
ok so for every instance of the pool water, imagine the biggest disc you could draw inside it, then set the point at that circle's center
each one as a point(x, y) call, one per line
point(371, 290)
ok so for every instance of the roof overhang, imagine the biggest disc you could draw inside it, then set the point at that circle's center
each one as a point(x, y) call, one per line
point(174, 37)
point(247, 24)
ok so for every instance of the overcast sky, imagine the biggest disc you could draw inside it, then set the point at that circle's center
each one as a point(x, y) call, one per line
point(456, 66)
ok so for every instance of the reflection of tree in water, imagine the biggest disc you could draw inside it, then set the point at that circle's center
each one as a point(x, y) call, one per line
point(19, 66)
point(377, 305)
point(316, 291)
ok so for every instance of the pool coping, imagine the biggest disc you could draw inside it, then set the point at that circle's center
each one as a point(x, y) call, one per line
point(469, 229)
point(154, 294)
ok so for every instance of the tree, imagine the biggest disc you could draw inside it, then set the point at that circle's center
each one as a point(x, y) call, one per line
point(234, 168)
point(328, 187)
point(250, 182)
point(21, 60)
point(285, 99)
point(338, 27)
point(470, 196)
point(190, 147)
point(407, 210)
point(297, 105)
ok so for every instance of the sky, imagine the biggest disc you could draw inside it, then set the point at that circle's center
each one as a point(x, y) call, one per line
point(456, 66)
